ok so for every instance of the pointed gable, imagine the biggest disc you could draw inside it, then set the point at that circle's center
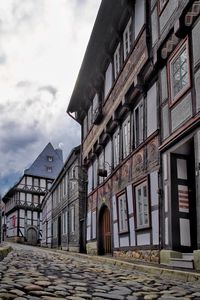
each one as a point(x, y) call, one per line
point(48, 163)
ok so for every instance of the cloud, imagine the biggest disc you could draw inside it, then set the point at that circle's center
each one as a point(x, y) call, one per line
point(42, 46)
point(3, 59)
point(23, 84)
point(52, 90)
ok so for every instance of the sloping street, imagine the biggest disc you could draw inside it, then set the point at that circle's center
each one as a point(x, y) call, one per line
point(35, 273)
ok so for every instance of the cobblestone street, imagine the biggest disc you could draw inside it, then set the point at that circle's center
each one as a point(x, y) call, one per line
point(34, 273)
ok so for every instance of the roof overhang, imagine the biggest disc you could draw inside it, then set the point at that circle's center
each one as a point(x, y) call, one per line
point(110, 20)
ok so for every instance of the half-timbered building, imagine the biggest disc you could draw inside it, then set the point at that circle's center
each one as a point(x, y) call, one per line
point(23, 200)
point(63, 208)
point(115, 100)
point(176, 55)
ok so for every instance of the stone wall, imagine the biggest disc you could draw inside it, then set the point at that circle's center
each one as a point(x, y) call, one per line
point(144, 255)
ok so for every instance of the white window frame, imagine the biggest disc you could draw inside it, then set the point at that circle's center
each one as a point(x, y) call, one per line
point(90, 117)
point(127, 38)
point(138, 123)
point(93, 223)
point(85, 127)
point(116, 148)
point(72, 212)
point(65, 222)
point(126, 135)
point(183, 47)
point(108, 80)
point(101, 164)
point(142, 206)
point(122, 213)
point(49, 169)
point(117, 61)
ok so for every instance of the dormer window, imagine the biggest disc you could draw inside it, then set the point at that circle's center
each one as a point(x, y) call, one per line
point(108, 81)
point(50, 158)
point(127, 38)
point(49, 169)
point(117, 64)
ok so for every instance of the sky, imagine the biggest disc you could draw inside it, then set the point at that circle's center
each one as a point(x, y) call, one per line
point(42, 44)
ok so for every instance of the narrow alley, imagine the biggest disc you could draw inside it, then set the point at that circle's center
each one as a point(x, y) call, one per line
point(36, 273)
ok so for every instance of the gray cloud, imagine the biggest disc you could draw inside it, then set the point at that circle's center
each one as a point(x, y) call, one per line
point(23, 84)
point(49, 88)
point(3, 59)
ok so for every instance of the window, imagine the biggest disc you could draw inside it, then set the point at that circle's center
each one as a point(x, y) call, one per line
point(179, 72)
point(95, 170)
point(138, 123)
point(49, 182)
point(65, 227)
point(35, 182)
point(142, 205)
point(117, 64)
point(101, 165)
point(95, 105)
point(123, 214)
point(126, 137)
point(89, 117)
point(85, 127)
point(127, 39)
point(108, 81)
point(72, 211)
point(50, 158)
point(49, 169)
point(35, 199)
point(116, 147)
point(94, 224)
point(162, 4)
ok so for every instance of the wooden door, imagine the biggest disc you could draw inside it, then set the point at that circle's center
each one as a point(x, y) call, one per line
point(32, 236)
point(183, 205)
point(105, 232)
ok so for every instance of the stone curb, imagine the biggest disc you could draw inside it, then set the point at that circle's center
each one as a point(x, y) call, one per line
point(161, 271)
point(4, 250)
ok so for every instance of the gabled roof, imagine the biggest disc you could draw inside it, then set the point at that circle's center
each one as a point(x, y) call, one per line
point(110, 19)
point(40, 166)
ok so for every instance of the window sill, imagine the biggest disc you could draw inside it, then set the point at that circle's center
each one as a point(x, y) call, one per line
point(123, 233)
point(139, 229)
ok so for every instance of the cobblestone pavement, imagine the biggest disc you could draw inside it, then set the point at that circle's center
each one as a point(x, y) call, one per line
point(34, 273)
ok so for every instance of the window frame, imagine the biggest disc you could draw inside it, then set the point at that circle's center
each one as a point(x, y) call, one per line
point(72, 219)
point(128, 31)
point(141, 184)
point(126, 149)
point(116, 159)
point(176, 53)
point(140, 139)
point(125, 200)
point(117, 61)
point(102, 154)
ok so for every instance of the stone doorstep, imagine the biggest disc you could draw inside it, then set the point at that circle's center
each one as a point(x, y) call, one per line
point(174, 274)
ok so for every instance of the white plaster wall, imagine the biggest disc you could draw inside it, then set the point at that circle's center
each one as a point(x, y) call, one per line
point(143, 239)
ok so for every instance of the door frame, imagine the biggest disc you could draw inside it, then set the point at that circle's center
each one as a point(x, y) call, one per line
point(100, 237)
point(175, 213)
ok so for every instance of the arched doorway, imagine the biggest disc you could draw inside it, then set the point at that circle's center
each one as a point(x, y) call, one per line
point(104, 232)
point(32, 236)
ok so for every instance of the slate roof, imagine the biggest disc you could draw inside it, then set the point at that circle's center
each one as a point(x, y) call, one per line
point(40, 166)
